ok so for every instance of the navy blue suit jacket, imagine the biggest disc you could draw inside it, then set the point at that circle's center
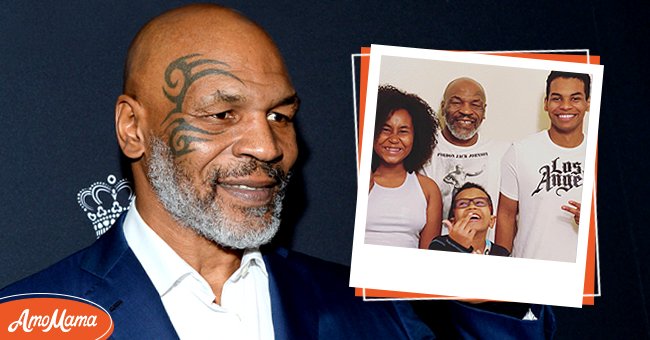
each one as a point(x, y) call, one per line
point(310, 298)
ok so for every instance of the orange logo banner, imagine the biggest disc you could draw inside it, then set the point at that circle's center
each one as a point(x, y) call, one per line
point(52, 316)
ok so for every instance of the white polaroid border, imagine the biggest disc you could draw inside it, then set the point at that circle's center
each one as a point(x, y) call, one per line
point(356, 57)
point(468, 275)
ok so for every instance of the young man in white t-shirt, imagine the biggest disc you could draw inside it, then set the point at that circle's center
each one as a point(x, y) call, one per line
point(542, 177)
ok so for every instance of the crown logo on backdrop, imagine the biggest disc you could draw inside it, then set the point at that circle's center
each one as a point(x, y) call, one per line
point(104, 202)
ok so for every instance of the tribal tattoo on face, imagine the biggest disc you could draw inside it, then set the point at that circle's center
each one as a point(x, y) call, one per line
point(183, 134)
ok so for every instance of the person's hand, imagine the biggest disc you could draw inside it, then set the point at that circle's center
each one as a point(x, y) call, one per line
point(460, 232)
point(574, 209)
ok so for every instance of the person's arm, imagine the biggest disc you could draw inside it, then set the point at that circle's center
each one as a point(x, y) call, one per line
point(433, 224)
point(506, 222)
point(461, 233)
point(506, 227)
point(445, 243)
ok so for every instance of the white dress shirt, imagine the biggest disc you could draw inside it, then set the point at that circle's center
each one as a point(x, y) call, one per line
point(245, 309)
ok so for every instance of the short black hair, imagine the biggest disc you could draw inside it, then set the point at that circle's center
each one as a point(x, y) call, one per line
point(585, 78)
point(466, 186)
point(425, 124)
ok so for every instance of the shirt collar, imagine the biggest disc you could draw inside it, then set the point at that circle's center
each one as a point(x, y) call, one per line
point(486, 251)
point(488, 247)
point(251, 257)
point(163, 265)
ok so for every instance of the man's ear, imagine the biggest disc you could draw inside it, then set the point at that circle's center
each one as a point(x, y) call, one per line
point(129, 121)
point(493, 221)
point(546, 104)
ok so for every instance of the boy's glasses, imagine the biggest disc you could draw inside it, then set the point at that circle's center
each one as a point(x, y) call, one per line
point(479, 202)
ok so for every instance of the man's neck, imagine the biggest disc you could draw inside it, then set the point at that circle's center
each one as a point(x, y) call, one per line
point(213, 262)
point(566, 139)
point(456, 141)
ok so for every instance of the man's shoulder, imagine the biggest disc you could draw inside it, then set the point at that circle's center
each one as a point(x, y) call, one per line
point(496, 147)
point(62, 277)
point(533, 140)
point(78, 272)
point(326, 282)
point(327, 275)
point(310, 284)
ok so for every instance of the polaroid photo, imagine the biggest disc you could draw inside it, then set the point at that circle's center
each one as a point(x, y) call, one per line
point(547, 265)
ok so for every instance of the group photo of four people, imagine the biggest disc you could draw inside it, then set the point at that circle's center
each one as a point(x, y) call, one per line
point(438, 183)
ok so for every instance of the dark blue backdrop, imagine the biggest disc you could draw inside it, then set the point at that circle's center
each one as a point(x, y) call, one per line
point(60, 73)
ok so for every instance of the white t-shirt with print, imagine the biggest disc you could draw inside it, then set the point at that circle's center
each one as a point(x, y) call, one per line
point(452, 166)
point(542, 177)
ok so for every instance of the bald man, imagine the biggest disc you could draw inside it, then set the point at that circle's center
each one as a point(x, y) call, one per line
point(462, 155)
point(206, 119)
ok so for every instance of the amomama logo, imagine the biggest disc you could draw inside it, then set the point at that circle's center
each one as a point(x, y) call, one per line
point(52, 316)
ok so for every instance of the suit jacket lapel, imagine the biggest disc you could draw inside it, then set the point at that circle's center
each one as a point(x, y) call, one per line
point(294, 311)
point(125, 290)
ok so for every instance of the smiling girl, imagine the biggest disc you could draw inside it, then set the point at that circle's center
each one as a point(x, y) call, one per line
point(404, 207)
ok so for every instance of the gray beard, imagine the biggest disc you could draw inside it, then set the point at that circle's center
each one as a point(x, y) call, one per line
point(461, 134)
point(207, 215)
